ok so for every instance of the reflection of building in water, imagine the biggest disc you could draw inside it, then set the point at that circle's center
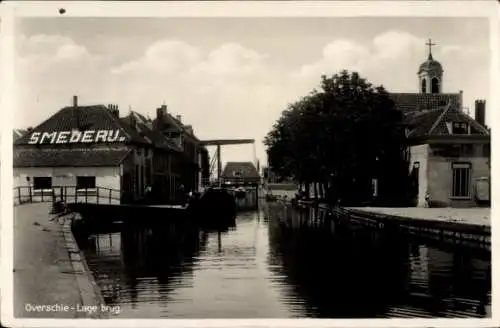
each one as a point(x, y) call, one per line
point(441, 267)
point(138, 264)
point(419, 270)
point(103, 255)
point(107, 245)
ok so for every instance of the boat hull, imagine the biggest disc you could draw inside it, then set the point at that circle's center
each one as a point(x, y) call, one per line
point(214, 207)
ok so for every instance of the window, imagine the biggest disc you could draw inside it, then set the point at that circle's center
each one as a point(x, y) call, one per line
point(424, 89)
point(461, 179)
point(435, 85)
point(85, 183)
point(486, 150)
point(460, 128)
point(42, 183)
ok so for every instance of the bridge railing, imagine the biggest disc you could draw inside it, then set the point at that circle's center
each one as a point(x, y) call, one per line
point(68, 194)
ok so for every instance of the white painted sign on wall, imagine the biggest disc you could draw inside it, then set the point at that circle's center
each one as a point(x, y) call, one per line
point(65, 137)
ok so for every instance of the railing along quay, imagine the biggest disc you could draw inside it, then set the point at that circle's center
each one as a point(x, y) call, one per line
point(68, 194)
point(449, 232)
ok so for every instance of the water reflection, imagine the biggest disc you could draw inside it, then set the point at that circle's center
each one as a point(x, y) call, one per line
point(277, 265)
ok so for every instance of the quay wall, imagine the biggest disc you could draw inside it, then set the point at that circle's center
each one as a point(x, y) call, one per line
point(49, 267)
point(90, 292)
point(449, 232)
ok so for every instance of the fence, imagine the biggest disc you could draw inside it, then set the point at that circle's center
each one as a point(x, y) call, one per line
point(68, 194)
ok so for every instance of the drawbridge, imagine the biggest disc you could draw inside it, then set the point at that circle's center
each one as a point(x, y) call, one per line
point(216, 162)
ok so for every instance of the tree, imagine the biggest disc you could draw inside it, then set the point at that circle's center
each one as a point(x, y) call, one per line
point(343, 135)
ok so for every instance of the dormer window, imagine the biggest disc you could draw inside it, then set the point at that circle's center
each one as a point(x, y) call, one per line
point(460, 128)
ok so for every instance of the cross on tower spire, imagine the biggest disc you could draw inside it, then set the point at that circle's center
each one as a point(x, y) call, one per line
point(430, 44)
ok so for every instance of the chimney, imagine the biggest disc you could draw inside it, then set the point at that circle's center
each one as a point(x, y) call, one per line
point(76, 113)
point(133, 121)
point(179, 118)
point(161, 112)
point(189, 129)
point(480, 113)
point(113, 109)
point(460, 100)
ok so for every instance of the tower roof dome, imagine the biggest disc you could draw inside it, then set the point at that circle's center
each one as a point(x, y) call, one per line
point(430, 65)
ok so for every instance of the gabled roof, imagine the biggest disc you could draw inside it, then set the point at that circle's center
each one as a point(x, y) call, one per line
point(244, 170)
point(18, 133)
point(83, 118)
point(430, 123)
point(144, 127)
point(63, 157)
point(412, 102)
point(169, 123)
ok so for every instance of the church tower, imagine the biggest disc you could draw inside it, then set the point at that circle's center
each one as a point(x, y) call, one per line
point(430, 74)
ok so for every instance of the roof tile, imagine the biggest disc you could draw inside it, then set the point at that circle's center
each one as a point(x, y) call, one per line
point(433, 122)
point(410, 102)
point(57, 157)
point(246, 169)
point(143, 126)
point(96, 117)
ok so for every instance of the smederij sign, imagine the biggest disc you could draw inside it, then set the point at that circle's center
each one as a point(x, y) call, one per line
point(66, 137)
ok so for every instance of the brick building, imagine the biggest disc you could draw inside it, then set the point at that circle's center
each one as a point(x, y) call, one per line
point(195, 156)
point(92, 148)
point(450, 151)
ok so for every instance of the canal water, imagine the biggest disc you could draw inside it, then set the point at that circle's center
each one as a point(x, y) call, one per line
point(264, 268)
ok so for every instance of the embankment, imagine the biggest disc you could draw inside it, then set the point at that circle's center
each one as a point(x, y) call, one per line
point(50, 269)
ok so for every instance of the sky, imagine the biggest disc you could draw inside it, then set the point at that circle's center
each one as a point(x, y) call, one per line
point(232, 77)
